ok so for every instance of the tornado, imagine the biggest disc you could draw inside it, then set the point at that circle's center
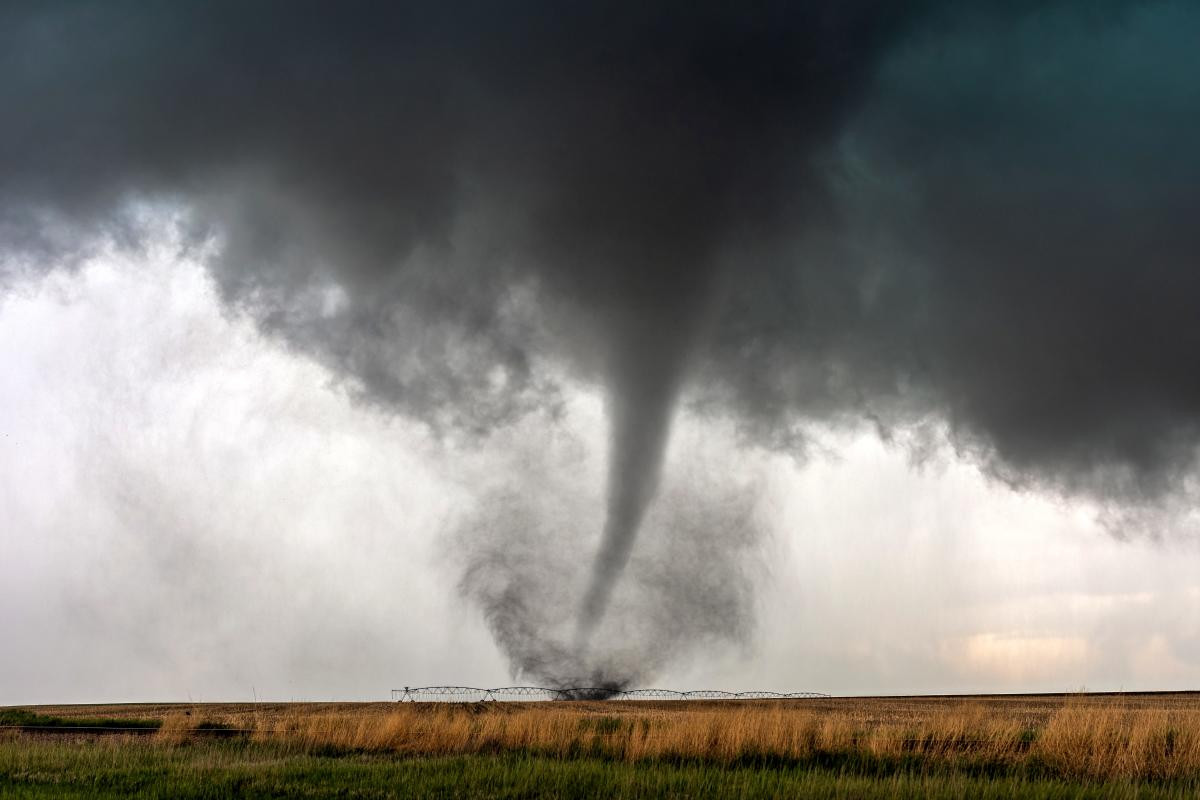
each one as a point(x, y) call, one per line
point(641, 404)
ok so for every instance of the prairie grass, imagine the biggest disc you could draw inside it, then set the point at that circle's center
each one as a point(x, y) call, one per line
point(1081, 739)
point(1133, 737)
point(117, 767)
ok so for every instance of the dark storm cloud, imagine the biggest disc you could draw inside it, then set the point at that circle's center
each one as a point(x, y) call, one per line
point(430, 162)
point(978, 212)
point(1016, 253)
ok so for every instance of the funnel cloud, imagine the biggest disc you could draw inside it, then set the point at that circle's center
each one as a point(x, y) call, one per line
point(974, 215)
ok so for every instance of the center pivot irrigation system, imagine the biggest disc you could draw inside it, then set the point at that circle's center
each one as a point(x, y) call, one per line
point(468, 694)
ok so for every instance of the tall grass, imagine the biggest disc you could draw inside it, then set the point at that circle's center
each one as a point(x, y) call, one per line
point(1079, 739)
point(114, 768)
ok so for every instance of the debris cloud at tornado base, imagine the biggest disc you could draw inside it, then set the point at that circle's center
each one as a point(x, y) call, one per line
point(979, 214)
point(688, 590)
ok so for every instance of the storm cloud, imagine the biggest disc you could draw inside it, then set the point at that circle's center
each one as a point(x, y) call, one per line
point(974, 214)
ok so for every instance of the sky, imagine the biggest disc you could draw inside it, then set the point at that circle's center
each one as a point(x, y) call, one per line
point(833, 346)
point(193, 511)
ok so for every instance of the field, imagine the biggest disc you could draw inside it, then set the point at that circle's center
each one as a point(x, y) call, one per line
point(1134, 745)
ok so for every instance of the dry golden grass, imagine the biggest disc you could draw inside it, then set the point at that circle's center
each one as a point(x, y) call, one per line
point(1130, 736)
point(177, 727)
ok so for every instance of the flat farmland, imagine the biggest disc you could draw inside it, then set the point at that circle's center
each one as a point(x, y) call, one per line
point(1137, 744)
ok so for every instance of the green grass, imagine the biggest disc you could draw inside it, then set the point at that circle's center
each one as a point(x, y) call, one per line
point(19, 716)
point(125, 767)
